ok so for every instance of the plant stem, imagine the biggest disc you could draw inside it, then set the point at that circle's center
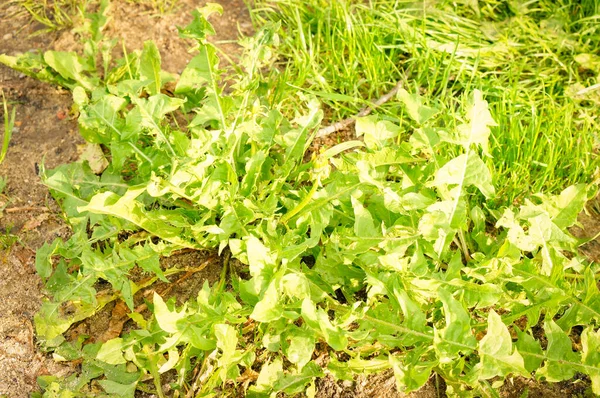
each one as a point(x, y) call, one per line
point(463, 244)
point(287, 216)
point(154, 371)
point(223, 278)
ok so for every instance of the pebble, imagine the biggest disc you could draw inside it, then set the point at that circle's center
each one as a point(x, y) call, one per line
point(7, 36)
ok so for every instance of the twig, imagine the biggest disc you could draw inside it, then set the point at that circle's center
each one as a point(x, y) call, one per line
point(335, 127)
point(588, 89)
point(188, 273)
point(43, 209)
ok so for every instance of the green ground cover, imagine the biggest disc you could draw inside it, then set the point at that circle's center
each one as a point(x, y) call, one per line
point(533, 60)
point(436, 240)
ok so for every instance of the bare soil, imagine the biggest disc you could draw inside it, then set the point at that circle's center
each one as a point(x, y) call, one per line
point(44, 135)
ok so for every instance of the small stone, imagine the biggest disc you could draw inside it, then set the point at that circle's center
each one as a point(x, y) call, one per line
point(7, 36)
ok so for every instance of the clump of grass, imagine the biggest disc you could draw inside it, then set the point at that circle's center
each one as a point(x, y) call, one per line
point(56, 15)
point(9, 123)
point(160, 6)
point(530, 59)
point(7, 239)
point(52, 14)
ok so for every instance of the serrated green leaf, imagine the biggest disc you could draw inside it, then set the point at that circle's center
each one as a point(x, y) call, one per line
point(498, 356)
point(424, 140)
point(411, 372)
point(43, 259)
point(560, 357)
point(269, 374)
point(296, 141)
point(300, 348)
point(128, 208)
point(151, 111)
point(73, 185)
point(260, 259)
point(477, 131)
point(198, 338)
point(100, 122)
point(571, 202)
point(226, 342)
point(150, 67)
point(295, 285)
point(586, 309)
point(65, 286)
point(171, 362)
point(167, 319)
point(195, 80)
point(49, 324)
point(33, 64)
point(71, 67)
point(590, 344)
point(120, 390)
point(318, 320)
point(456, 336)
point(477, 295)
point(253, 172)
point(415, 108)
point(530, 349)
point(377, 132)
point(111, 352)
point(295, 383)
point(269, 308)
point(364, 225)
point(464, 171)
point(414, 318)
point(516, 233)
point(200, 28)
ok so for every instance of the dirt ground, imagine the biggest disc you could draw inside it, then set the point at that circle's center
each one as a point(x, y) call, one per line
point(43, 135)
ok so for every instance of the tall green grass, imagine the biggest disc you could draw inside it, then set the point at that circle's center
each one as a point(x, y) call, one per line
point(531, 60)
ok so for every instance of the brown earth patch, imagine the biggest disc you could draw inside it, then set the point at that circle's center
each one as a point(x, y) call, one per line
point(46, 133)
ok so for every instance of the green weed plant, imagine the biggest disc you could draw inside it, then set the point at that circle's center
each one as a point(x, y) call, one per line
point(385, 252)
